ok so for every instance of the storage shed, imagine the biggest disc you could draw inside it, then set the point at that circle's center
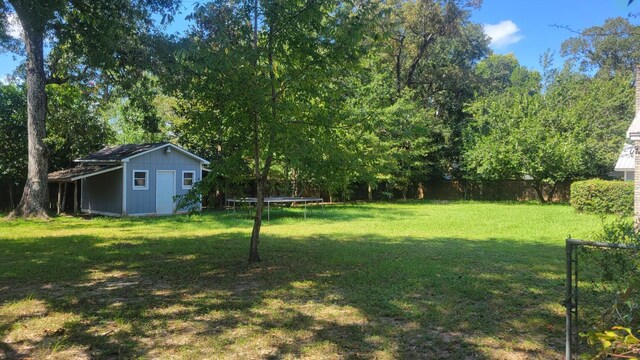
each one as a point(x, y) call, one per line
point(133, 179)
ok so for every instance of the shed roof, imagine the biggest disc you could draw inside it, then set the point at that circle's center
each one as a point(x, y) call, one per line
point(124, 152)
point(626, 160)
point(80, 172)
point(119, 152)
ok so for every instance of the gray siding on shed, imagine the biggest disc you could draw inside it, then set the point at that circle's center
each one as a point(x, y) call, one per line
point(144, 201)
point(103, 193)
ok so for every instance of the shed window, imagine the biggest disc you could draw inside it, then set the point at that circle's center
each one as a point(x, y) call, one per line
point(188, 178)
point(140, 180)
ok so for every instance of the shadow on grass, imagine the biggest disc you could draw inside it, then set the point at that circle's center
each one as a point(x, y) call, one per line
point(367, 297)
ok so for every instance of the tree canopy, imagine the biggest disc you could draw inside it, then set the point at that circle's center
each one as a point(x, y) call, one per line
point(105, 35)
point(265, 78)
point(288, 97)
point(549, 136)
point(13, 137)
point(608, 49)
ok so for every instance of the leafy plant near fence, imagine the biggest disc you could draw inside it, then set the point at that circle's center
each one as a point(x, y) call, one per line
point(615, 330)
point(619, 342)
point(602, 196)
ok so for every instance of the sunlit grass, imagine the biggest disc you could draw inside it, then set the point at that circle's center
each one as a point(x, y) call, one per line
point(406, 280)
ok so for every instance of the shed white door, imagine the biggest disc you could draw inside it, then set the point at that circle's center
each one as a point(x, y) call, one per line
point(165, 190)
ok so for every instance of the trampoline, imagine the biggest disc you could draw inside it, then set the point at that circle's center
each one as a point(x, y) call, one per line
point(275, 200)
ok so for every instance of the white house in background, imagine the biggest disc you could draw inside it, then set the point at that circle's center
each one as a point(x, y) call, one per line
point(626, 162)
point(633, 134)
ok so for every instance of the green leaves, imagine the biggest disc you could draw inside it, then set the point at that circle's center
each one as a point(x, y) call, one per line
point(74, 127)
point(13, 134)
point(619, 342)
point(603, 197)
point(614, 320)
point(283, 91)
point(573, 129)
point(610, 49)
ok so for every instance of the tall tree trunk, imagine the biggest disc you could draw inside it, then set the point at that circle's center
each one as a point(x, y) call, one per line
point(538, 187)
point(398, 64)
point(426, 41)
point(35, 195)
point(261, 174)
point(257, 222)
point(552, 192)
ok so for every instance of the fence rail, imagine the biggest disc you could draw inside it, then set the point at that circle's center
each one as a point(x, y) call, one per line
point(572, 300)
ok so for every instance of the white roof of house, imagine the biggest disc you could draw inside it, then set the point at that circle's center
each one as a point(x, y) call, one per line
point(626, 160)
point(634, 130)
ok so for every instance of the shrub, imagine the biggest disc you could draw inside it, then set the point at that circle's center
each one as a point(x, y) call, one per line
point(603, 197)
point(619, 322)
point(618, 342)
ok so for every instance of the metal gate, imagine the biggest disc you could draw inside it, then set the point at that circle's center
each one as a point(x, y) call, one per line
point(591, 293)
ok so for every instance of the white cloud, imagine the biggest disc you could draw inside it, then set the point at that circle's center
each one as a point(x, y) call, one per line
point(502, 34)
point(14, 28)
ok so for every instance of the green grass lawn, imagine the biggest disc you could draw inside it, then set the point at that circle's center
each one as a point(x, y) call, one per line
point(407, 280)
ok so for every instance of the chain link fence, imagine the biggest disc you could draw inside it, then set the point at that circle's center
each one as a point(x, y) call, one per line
point(598, 295)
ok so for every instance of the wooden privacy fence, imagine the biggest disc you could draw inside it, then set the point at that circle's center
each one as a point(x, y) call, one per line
point(511, 190)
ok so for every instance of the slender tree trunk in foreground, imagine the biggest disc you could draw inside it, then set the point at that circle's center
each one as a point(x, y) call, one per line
point(261, 182)
point(35, 194)
point(257, 223)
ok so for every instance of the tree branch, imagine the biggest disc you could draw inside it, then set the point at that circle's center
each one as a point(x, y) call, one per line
point(414, 64)
point(586, 33)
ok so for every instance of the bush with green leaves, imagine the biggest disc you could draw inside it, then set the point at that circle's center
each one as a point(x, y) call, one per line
point(617, 343)
point(614, 331)
point(602, 196)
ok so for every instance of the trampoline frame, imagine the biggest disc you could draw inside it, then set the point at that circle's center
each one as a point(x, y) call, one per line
point(275, 200)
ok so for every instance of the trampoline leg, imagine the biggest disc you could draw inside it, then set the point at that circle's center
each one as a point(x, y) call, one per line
point(305, 209)
point(268, 211)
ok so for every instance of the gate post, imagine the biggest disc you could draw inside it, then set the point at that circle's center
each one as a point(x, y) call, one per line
point(568, 302)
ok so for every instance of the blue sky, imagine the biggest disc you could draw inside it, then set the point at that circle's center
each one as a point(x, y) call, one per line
point(522, 27)
point(526, 27)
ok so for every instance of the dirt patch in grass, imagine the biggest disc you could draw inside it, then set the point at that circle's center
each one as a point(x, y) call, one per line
point(30, 330)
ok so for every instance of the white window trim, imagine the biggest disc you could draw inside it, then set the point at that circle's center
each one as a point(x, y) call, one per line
point(146, 182)
point(187, 187)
